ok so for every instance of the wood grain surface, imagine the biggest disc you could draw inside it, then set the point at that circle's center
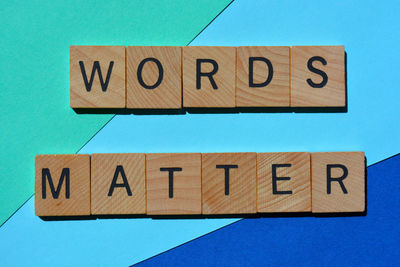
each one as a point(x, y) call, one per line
point(242, 197)
point(276, 93)
point(78, 202)
point(299, 185)
point(186, 197)
point(130, 196)
point(114, 96)
point(354, 182)
point(224, 78)
point(194, 183)
point(168, 94)
point(333, 94)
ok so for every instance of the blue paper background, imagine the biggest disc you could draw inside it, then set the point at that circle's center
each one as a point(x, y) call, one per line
point(372, 240)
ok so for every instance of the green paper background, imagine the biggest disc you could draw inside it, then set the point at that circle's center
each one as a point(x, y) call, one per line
point(34, 66)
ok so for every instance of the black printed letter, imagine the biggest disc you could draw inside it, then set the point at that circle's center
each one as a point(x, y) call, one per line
point(251, 71)
point(171, 178)
point(227, 167)
point(208, 74)
point(317, 71)
point(275, 179)
point(329, 178)
point(96, 67)
point(55, 193)
point(125, 183)
point(160, 73)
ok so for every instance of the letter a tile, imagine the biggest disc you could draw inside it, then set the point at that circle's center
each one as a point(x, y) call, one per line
point(118, 183)
point(97, 76)
point(62, 185)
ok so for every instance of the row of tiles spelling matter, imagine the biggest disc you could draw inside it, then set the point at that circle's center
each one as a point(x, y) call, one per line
point(199, 183)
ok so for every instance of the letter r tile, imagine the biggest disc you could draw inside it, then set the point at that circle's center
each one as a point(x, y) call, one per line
point(118, 183)
point(338, 182)
point(229, 183)
point(62, 185)
point(97, 76)
point(173, 182)
point(209, 75)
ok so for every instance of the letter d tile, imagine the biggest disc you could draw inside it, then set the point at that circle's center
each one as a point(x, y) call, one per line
point(263, 76)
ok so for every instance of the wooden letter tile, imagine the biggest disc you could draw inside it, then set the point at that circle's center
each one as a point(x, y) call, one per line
point(97, 76)
point(338, 180)
point(209, 76)
point(154, 77)
point(284, 182)
point(318, 76)
point(263, 76)
point(229, 183)
point(118, 183)
point(62, 185)
point(173, 183)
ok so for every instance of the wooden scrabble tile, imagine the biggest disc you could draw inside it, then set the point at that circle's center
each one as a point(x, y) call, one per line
point(283, 182)
point(97, 76)
point(154, 78)
point(338, 182)
point(229, 183)
point(263, 76)
point(318, 76)
point(209, 76)
point(118, 183)
point(62, 185)
point(173, 183)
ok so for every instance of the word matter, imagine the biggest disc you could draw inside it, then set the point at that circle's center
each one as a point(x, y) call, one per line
point(199, 183)
point(151, 77)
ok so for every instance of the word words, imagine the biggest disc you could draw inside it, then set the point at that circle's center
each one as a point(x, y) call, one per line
point(195, 183)
point(150, 77)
